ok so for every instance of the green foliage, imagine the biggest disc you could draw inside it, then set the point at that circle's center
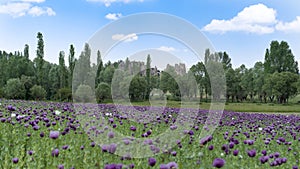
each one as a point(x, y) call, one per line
point(103, 91)
point(64, 94)
point(148, 76)
point(37, 92)
point(39, 60)
point(53, 77)
point(2, 94)
point(72, 62)
point(28, 82)
point(137, 88)
point(279, 58)
point(82, 68)
point(84, 94)
point(265, 82)
point(281, 85)
point(99, 68)
point(14, 89)
point(63, 73)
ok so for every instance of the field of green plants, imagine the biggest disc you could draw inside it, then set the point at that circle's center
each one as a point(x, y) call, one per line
point(54, 135)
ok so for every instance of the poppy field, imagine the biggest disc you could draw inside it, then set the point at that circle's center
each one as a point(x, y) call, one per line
point(55, 135)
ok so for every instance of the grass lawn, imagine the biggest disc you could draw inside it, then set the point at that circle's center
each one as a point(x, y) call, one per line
point(237, 107)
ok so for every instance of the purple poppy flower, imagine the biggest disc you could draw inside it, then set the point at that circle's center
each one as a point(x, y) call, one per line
point(264, 152)
point(3, 120)
point(30, 152)
point(111, 134)
point(60, 166)
point(172, 165)
point(264, 159)
point(173, 153)
point(151, 161)
point(113, 166)
point(131, 165)
point(231, 145)
point(235, 152)
point(163, 166)
point(105, 148)
point(225, 147)
point(133, 128)
point(191, 133)
point(15, 160)
point(11, 108)
point(112, 148)
point(252, 153)
point(42, 134)
point(65, 147)
point(284, 160)
point(55, 153)
point(36, 127)
point(295, 167)
point(218, 162)
point(211, 147)
point(54, 134)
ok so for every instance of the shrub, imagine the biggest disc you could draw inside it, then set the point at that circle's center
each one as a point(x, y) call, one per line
point(64, 94)
point(84, 94)
point(103, 92)
point(14, 89)
point(38, 92)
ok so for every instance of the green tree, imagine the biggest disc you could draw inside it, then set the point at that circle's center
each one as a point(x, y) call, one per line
point(107, 74)
point(103, 92)
point(15, 89)
point(28, 82)
point(259, 80)
point(148, 76)
point(26, 51)
point(63, 79)
point(64, 94)
point(84, 94)
point(279, 58)
point(240, 89)
point(230, 84)
point(137, 88)
point(39, 60)
point(99, 68)
point(37, 92)
point(72, 62)
point(247, 83)
point(82, 70)
point(200, 73)
point(54, 78)
point(282, 86)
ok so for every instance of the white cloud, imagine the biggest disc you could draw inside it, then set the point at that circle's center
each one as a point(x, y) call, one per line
point(38, 11)
point(107, 3)
point(50, 11)
point(293, 26)
point(127, 38)
point(113, 16)
point(166, 49)
point(24, 7)
point(15, 9)
point(34, 1)
point(254, 19)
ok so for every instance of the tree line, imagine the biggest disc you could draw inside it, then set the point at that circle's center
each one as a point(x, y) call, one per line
point(274, 80)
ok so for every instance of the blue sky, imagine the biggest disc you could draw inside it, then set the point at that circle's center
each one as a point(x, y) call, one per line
point(244, 29)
